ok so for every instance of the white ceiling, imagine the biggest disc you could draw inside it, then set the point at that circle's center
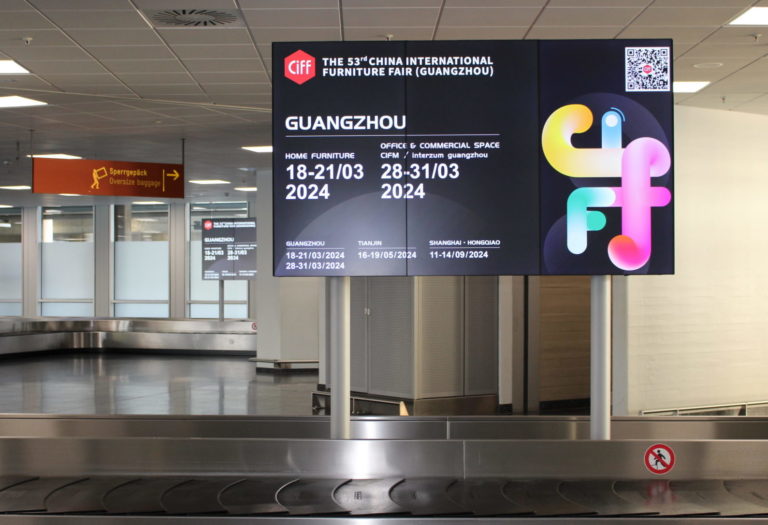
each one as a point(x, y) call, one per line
point(119, 88)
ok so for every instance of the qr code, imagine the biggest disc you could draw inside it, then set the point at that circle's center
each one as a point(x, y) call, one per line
point(646, 68)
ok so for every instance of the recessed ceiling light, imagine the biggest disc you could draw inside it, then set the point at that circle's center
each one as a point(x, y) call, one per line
point(259, 149)
point(689, 86)
point(6, 206)
point(146, 203)
point(15, 187)
point(708, 65)
point(69, 194)
point(52, 212)
point(9, 67)
point(5, 224)
point(754, 16)
point(14, 101)
point(209, 181)
point(54, 156)
point(246, 188)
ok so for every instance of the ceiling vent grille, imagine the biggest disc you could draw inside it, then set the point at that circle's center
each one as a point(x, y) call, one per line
point(193, 17)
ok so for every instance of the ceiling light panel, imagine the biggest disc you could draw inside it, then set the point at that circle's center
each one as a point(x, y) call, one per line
point(14, 101)
point(9, 67)
point(754, 16)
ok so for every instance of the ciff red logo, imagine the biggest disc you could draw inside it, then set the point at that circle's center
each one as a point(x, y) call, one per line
point(299, 66)
point(207, 225)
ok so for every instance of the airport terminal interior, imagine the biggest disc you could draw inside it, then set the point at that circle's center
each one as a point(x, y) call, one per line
point(134, 389)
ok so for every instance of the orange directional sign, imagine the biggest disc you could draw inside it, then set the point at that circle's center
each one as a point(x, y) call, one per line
point(108, 177)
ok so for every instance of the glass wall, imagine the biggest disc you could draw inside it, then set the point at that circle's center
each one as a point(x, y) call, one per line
point(10, 261)
point(204, 295)
point(141, 265)
point(67, 261)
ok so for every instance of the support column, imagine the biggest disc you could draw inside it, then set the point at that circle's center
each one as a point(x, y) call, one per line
point(600, 351)
point(102, 264)
point(340, 357)
point(177, 244)
point(30, 261)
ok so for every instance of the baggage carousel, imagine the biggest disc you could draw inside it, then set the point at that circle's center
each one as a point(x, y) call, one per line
point(172, 480)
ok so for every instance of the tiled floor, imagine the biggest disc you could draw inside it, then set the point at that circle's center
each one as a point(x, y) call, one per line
point(146, 384)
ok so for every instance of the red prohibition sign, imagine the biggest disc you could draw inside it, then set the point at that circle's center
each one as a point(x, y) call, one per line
point(659, 458)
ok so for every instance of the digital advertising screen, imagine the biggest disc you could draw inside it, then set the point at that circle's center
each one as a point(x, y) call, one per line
point(229, 248)
point(472, 158)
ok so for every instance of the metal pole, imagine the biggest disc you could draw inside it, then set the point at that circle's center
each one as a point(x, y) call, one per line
point(221, 299)
point(340, 352)
point(600, 366)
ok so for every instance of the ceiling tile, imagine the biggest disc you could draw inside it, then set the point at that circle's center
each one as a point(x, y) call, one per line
point(285, 4)
point(15, 5)
point(739, 36)
point(495, 3)
point(678, 34)
point(252, 88)
point(377, 33)
point(390, 17)
point(156, 78)
point(166, 89)
point(223, 65)
point(684, 68)
point(46, 67)
point(70, 52)
point(740, 83)
point(702, 3)
point(10, 38)
point(291, 34)
point(114, 37)
point(130, 52)
point(218, 51)
point(576, 32)
point(80, 5)
point(143, 66)
point(600, 3)
point(587, 16)
point(715, 52)
point(489, 16)
point(291, 17)
point(186, 4)
point(686, 16)
point(77, 78)
point(25, 19)
point(249, 77)
point(207, 35)
point(14, 82)
point(718, 101)
point(79, 19)
point(480, 33)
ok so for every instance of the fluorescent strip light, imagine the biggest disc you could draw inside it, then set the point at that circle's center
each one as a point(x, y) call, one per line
point(246, 188)
point(69, 194)
point(9, 67)
point(6, 206)
point(209, 181)
point(19, 102)
point(15, 187)
point(54, 156)
point(259, 149)
point(689, 86)
point(5, 224)
point(146, 203)
point(754, 16)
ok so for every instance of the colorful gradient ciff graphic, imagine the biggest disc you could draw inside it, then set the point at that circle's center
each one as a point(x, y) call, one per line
point(635, 165)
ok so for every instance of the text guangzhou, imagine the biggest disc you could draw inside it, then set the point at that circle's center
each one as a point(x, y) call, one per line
point(344, 122)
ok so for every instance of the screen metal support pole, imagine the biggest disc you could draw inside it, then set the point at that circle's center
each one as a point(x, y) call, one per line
point(600, 351)
point(221, 299)
point(340, 357)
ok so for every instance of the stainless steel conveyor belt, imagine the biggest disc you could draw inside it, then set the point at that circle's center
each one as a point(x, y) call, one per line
point(420, 497)
point(144, 481)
